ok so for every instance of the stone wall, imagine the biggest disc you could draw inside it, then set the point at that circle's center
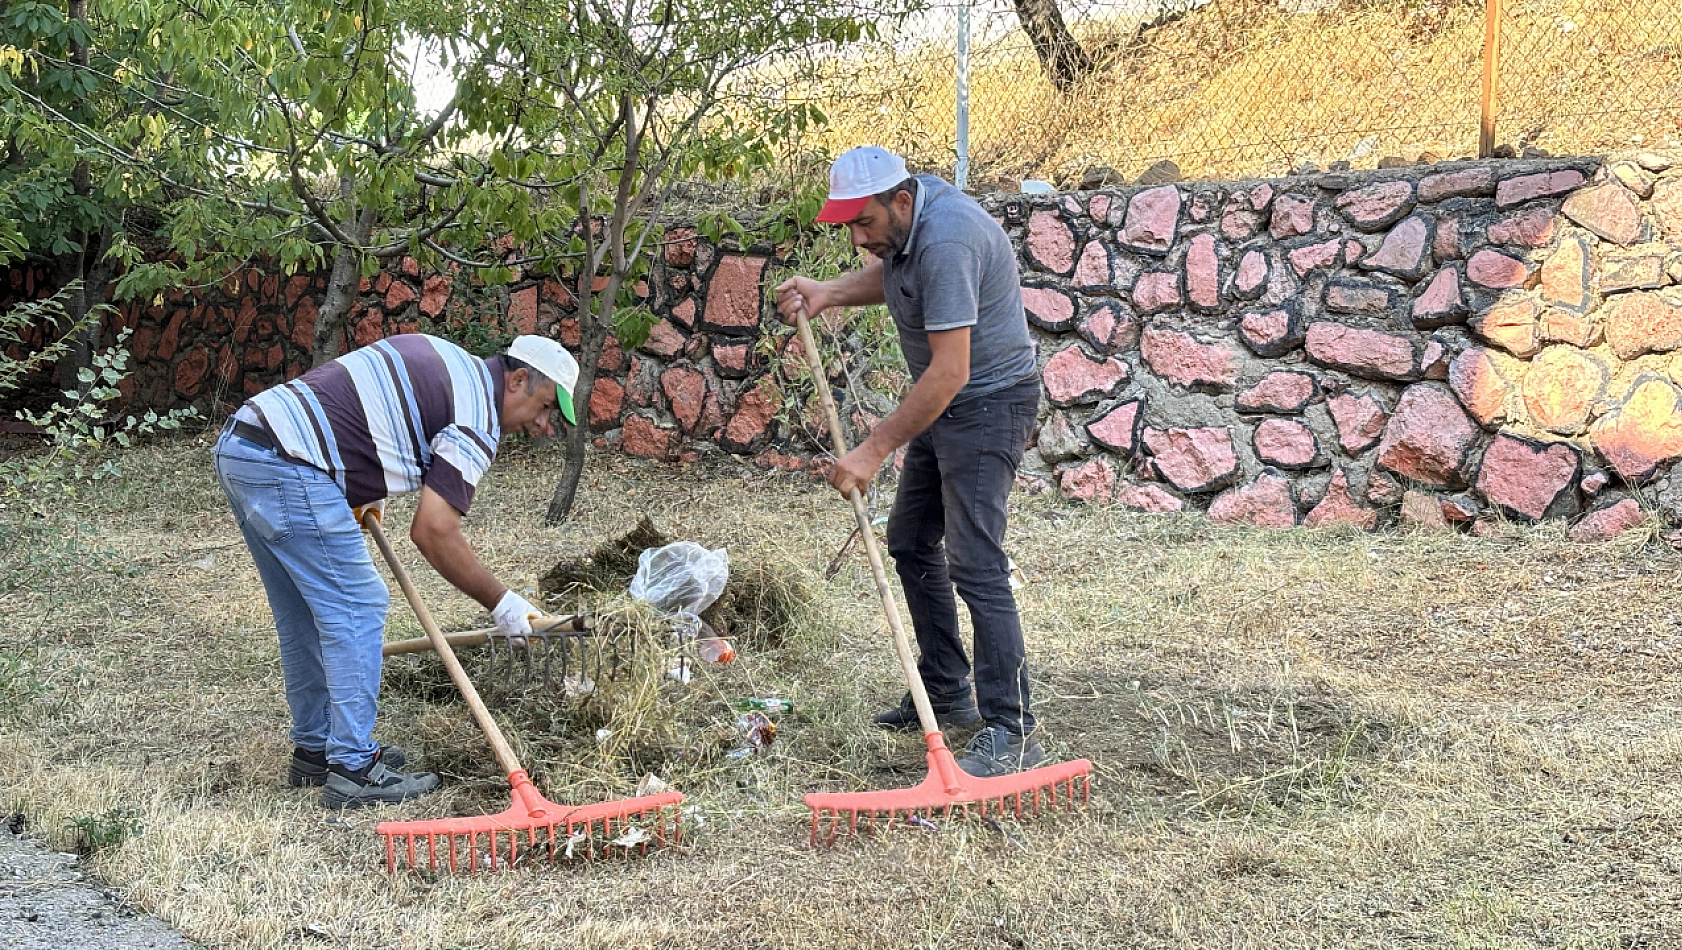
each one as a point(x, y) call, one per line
point(1430, 345)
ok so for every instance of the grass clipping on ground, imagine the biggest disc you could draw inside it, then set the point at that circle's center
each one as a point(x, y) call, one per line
point(632, 717)
point(1300, 739)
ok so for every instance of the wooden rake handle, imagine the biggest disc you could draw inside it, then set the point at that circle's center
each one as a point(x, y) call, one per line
point(440, 643)
point(890, 607)
point(575, 623)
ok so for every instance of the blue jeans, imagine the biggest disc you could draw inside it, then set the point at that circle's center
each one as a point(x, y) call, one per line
point(329, 605)
point(947, 529)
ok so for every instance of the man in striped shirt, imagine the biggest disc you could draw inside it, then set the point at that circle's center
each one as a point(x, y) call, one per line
point(405, 414)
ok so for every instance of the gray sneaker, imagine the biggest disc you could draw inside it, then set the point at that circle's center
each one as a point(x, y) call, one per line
point(309, 768)
point(996, 751)
point(376, 783)
point(952, 714)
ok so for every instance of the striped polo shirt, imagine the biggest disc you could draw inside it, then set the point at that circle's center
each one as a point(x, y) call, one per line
point(386, 419)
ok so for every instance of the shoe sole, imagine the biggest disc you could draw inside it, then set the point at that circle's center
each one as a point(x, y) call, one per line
point(331, 798)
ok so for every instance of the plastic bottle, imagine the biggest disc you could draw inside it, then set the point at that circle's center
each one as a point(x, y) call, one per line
point(757, 731)
point(770, 705)
point(714, 650)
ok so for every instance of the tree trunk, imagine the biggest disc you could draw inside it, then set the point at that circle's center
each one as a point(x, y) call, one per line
point(330, 316)
point(341, 284)
point(593, 333)
point(1064, 61)
point(80, 353)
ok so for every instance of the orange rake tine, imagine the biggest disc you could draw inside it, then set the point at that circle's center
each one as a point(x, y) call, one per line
point(529, 812)
point(947, 785)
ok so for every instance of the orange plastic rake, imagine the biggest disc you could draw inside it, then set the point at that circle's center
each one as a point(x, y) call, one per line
point(947, 786)
point(533, 827)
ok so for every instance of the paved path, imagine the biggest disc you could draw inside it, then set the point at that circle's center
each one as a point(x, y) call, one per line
point(48, 903)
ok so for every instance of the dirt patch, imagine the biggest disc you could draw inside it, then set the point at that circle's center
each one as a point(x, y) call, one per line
point(1220, 751)
point(609, 568)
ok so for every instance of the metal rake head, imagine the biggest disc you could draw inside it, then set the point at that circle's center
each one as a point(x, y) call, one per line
point(566, 659)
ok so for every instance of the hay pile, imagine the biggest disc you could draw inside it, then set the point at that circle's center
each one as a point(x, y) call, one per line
point(636, 720)
point(759, 610)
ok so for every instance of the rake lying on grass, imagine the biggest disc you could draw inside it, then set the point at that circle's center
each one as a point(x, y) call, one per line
point(560, 652)
point(947, 786)
point(533, 827)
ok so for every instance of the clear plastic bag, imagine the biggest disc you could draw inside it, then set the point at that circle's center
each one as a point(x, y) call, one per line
point(681, 578)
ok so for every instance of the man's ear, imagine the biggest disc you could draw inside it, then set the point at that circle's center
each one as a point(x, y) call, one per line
point(904, 201)
point(515, 382)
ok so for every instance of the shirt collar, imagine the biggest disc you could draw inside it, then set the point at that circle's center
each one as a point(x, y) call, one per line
point(916, 215)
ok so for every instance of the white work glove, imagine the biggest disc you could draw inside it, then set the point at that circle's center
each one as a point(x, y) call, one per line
point(513, 615)
point(361, 513)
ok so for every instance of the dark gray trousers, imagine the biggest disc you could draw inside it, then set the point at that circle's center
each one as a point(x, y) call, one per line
point(947, 530)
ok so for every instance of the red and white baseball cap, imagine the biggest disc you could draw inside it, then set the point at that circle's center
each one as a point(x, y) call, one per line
point(857, 175)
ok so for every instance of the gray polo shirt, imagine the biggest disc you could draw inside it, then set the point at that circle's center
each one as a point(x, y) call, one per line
point(959, 270)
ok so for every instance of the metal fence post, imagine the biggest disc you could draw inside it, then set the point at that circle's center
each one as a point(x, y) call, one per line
point(1491, 76)
point(960, 174)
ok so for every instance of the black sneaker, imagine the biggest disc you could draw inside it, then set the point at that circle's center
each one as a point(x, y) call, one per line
point(996, 750)
point(309, 768)
point(374, 784)
point(951, 714)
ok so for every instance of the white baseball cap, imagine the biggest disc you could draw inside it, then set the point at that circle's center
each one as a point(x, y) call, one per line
point(856, 176)
point(551, 359)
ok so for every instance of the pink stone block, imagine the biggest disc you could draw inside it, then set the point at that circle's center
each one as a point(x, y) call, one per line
point(1266, 503)
point(1529, 227)
point(1183, 360)
point(1324, 254)
point(1604, 524)
point(1292, 215)
point(1152, 219)
point(1522, 188)
point(1071, 376)
point(1203, 274)
point(1051, 242)
point(1092, 482)
point(1156, 291)
point(1340, 507)
point(1428, 437)
point(1378, 205)
point(1362, 352)
point(1193, 460)
point(1286, 443)
point(1252, 274)
point(1282, 390)
point(1497, 271)
point(1463, 183)
point(1525, 478)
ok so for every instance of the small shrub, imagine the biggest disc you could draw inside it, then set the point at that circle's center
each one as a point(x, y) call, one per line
point(91, 834)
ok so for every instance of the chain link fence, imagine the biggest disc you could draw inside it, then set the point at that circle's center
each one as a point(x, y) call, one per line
point(1240, 88)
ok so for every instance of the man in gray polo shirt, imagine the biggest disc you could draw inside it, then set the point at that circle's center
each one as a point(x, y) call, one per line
point(949, 277)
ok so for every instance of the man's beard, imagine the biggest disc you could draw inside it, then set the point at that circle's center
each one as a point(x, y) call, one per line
point(899, 234)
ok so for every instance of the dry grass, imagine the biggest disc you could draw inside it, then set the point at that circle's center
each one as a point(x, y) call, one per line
point(1301, 739)
point(1241, 87)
